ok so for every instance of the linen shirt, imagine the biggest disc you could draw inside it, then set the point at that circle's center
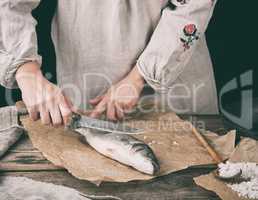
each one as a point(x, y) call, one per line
point(98, 42)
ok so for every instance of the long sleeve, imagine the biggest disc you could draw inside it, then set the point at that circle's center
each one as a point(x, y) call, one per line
point(174, 40)
point(18, 40)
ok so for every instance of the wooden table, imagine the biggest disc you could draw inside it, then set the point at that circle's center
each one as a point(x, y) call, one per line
point(24, 160)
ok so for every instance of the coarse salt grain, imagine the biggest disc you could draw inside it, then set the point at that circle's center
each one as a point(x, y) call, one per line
point(247, 189)
point(228, 170)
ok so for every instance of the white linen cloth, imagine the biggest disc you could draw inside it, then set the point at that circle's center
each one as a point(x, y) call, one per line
point(10, 131)
point(21, 188)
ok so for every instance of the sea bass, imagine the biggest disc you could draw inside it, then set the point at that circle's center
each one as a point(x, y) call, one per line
point(122, 148)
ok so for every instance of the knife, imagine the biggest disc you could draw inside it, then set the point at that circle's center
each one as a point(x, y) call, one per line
point(81, 121)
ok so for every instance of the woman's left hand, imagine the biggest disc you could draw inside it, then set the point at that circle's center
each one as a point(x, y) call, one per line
point(120, 98)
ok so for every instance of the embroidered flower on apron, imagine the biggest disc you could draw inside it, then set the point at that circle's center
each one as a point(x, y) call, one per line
point(190, 35)
point(177, 3)
point(182, 2)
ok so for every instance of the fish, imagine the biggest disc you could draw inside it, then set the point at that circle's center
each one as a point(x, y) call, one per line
point(123, 148)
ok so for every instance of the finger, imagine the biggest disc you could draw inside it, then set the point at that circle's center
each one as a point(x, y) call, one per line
point(96, 100)
point(67, 104)
point(99, 109)
point(66, 101)
point(127, 108)
point(65, 110)
point(72, 107)
point(55, 115)
point(44, 115)
point(33, 112)
point(119, 112)
point(111, 111)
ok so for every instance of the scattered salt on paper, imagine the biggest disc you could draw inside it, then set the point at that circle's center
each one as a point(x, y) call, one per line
point(247, 189)
point(249, 170)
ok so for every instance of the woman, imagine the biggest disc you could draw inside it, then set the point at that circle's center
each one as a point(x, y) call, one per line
point(105, 51)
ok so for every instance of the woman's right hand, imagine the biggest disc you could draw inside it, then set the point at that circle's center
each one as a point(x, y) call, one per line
point(42, 98)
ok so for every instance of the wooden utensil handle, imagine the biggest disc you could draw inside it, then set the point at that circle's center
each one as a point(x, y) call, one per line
point(215, 156)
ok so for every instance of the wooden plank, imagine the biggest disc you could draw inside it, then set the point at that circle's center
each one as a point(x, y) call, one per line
point(211, 122)
point(178, 185)
point(26, 160)
point(16, 167)
point(24, 144)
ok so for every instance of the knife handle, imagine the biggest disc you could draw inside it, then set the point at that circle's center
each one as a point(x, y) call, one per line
point(22, 110)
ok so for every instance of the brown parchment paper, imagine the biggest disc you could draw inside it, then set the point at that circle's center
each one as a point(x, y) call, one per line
point(246, 151)
point(170, 138)
point(221, 189)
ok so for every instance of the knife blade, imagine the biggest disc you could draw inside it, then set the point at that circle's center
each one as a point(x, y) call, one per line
point(79, 121)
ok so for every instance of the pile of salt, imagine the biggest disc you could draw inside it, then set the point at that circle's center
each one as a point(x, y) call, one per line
point(247, 189)
point(228, 170)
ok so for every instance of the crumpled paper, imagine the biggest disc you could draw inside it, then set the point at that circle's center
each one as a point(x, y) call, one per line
point(209, 182)
point(170, 138)
point(246, 151)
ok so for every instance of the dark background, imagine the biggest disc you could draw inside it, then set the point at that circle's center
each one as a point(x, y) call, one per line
point(232, 40)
